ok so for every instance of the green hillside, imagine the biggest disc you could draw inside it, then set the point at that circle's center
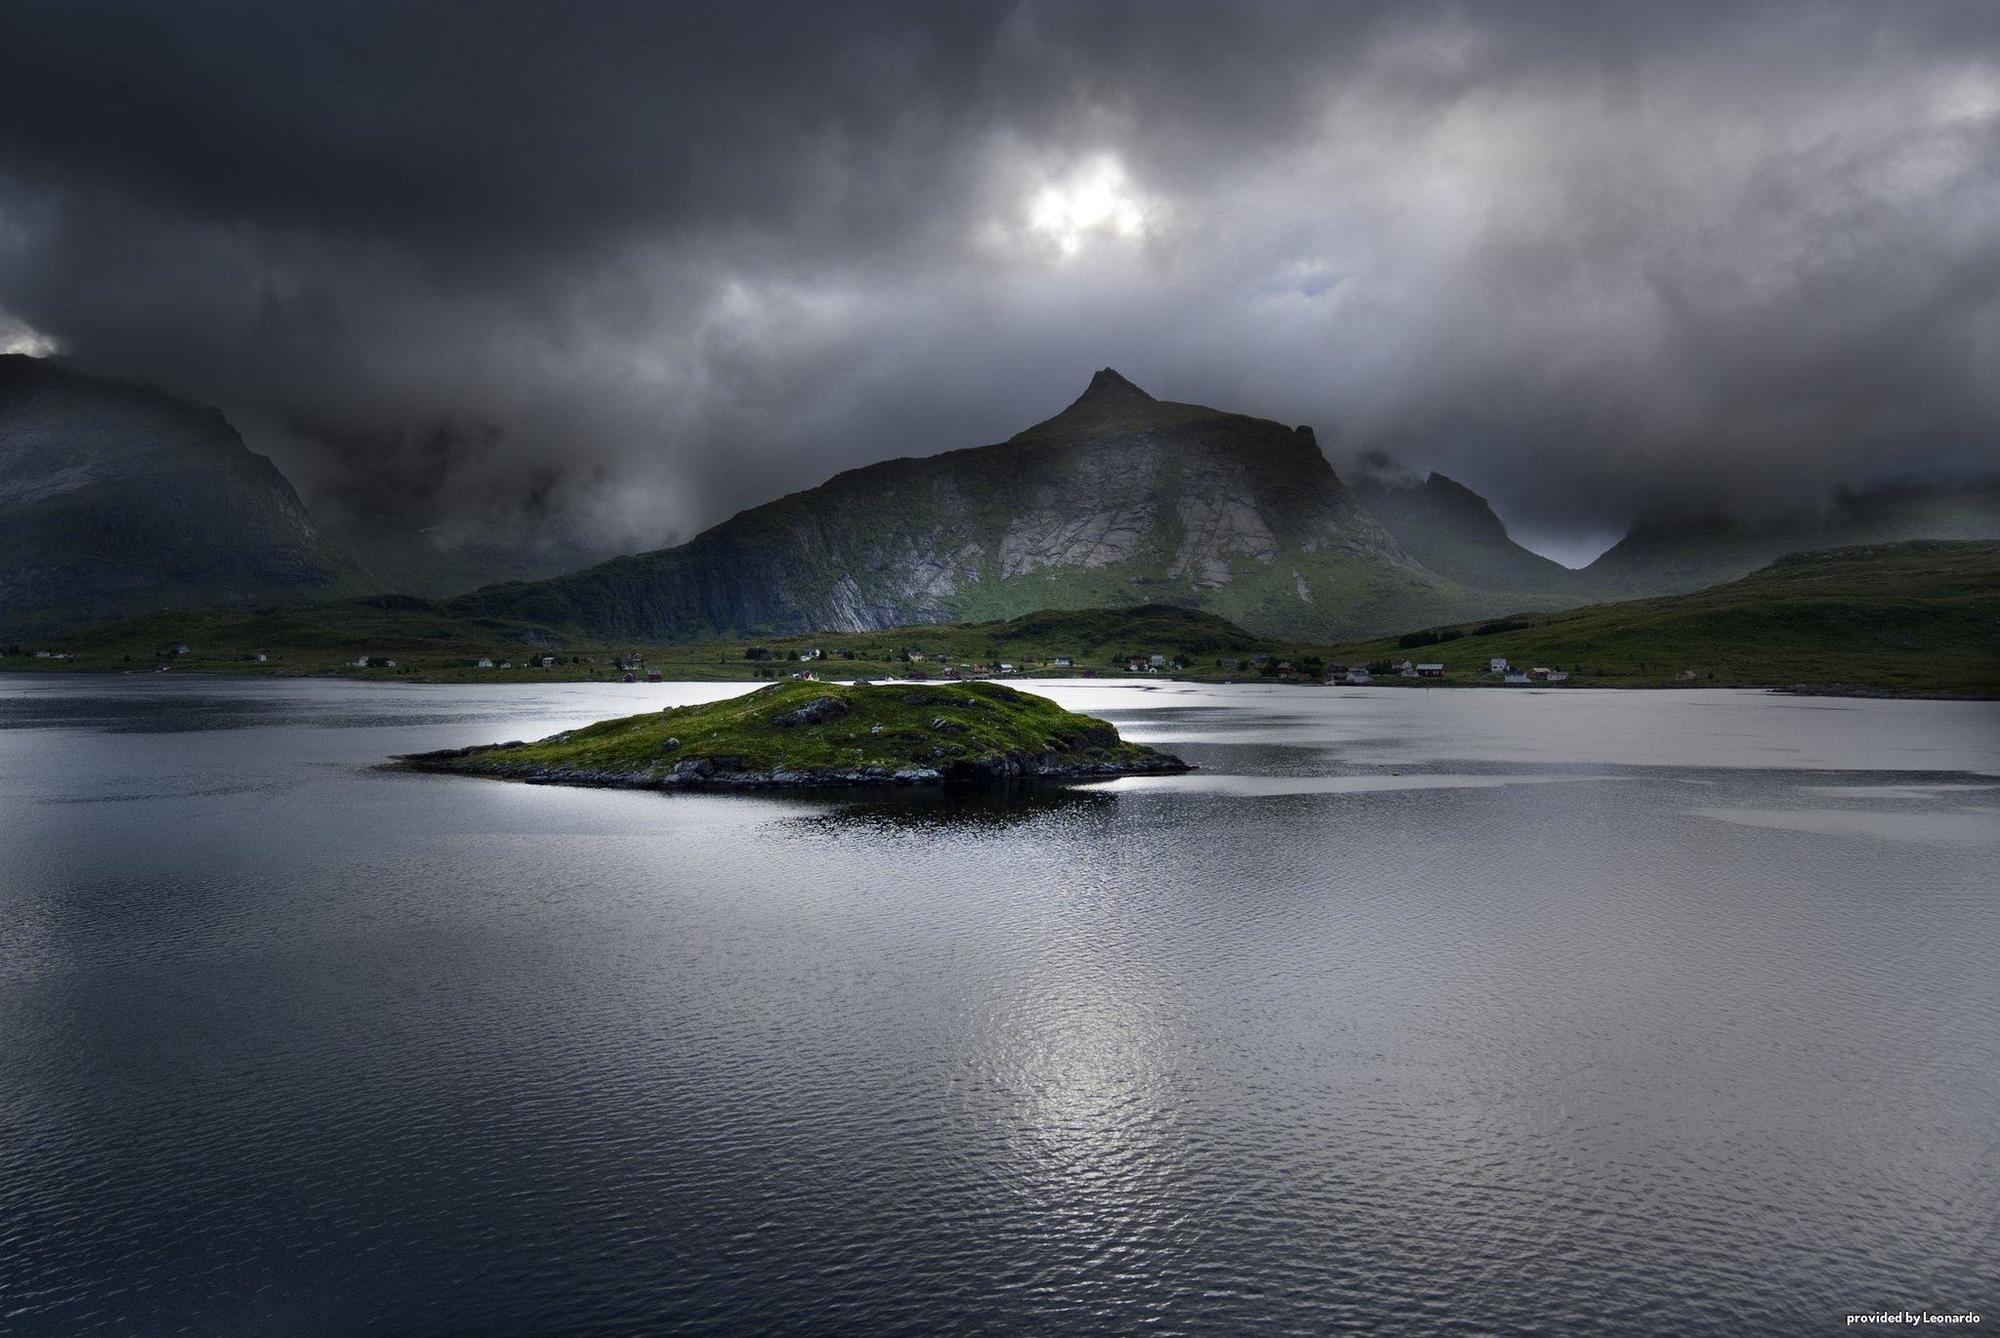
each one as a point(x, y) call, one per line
point(1921, 617)
point(1911, 617)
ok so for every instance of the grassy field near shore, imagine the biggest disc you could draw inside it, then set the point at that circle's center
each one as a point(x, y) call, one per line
point(1911, 619)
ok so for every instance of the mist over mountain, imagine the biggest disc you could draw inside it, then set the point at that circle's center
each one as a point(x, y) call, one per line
point(603, 277)
point(1452, 530)
point(1672, 556)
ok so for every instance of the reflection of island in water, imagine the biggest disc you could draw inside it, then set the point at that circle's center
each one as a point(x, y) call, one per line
point(1001, 806)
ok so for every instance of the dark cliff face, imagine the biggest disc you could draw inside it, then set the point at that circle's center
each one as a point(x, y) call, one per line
point(1452, 530)
point(1120, 499)
point(118, 499)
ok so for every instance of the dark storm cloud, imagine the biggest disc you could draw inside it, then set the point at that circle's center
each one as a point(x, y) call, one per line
point(620, 268)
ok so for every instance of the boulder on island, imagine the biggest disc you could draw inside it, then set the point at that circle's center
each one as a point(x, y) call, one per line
point(794, 735)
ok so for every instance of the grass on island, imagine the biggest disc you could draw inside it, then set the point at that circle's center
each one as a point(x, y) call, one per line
point(802, 732)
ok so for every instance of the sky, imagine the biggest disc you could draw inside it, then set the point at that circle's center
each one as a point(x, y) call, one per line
point(611, 271)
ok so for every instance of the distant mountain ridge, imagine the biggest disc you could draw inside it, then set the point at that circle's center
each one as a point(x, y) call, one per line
point(1453, 531)
point(1670, 557)
point(1120, 499)
point(117, 499)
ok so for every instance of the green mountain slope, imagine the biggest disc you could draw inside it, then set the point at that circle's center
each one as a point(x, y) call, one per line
point(1120, 499)
point(116, 498)
point(1922, 616)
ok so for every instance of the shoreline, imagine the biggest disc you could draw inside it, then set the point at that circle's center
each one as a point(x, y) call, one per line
point(533, 678)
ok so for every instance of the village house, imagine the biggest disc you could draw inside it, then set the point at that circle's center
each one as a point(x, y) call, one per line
point(653, 676)
point(1006, 668)
point(1557, 676)
point(1063, 661)
point(259, 657)
point(482, 663)
point(1515, 676)
point(1358, 675)
point(1157, 661)
point(1430, 671)
point(1406, 669)
point(180, 648)
point(548, 661)
point(1497, 665)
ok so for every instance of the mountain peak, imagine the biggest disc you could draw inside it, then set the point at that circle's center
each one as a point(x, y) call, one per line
point(1109, 385)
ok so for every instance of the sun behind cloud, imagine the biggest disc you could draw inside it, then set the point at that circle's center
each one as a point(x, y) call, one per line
point(1096, 200)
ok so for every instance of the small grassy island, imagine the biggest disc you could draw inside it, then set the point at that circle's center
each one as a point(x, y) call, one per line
point(802, 734)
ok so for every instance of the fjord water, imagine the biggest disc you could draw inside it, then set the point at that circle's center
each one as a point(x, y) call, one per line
point(1413, 1010)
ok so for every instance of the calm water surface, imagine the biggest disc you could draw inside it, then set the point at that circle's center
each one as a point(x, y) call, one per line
point(1412, 1011)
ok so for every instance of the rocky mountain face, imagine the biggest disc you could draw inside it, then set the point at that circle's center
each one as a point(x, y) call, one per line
point(1121, 499)
point(1671, 557)
point(117, 499)
point(1452, 530)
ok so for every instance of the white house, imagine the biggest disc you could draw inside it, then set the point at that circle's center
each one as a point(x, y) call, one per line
point(1357, 674)
point(1157, 661)
point(483, 662)
point(1516, 676)
point(1006, 668)
point(1558, 676)
point(1497, 665)
point(1063, 662)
